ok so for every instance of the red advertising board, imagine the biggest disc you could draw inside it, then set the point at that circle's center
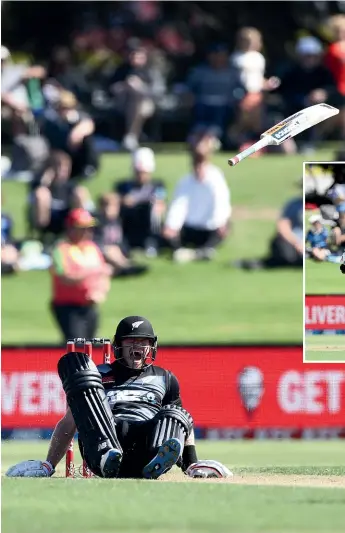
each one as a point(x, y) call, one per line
point(325, 311)
point(223, 387)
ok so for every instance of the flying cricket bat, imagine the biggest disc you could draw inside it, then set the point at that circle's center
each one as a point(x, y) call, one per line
point(287, 128)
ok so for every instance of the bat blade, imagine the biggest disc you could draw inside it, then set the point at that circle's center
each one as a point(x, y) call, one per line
point(301, 121)
point(287, 128)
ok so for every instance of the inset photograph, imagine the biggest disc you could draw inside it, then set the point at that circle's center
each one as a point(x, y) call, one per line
point(324, 265)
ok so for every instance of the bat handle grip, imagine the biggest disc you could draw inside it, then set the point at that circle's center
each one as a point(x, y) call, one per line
point(249, 151)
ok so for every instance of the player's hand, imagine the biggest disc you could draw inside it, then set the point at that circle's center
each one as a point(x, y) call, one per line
point(208, 469)
point(31, 468)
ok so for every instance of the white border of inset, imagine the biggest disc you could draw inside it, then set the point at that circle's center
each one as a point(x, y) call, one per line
point(304, 263)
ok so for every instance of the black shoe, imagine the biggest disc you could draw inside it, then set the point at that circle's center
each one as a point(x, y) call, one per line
point(133, 270)
point(205, 254)
point(249, 264)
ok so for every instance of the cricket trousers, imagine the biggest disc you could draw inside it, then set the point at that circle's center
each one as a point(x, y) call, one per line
point(76, 320)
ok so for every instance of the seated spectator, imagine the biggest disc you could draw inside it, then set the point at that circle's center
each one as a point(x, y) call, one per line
point(70, 130)
point(142, 203)
point(15, 103)
point(53, 195)
point(251, 64)
point(317, 246)
point(63, 74)
point(216, 89)
point(108, 235)
point(335, 60)
point(9, 253)
point(135, 90)
point(198, 217)
point(308, 82)
point(286, 249)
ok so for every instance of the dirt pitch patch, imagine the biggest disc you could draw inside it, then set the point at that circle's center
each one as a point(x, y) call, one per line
point(325, 348)
point(255, 213)
point(277, 480)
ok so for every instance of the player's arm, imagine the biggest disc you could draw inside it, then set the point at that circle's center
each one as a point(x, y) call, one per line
point(63, 434)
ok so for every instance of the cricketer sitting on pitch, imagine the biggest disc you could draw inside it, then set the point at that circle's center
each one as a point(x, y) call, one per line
point(128, 414)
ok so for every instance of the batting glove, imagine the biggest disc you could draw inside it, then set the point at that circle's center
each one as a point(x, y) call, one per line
point(208, 469)
point(31, 468)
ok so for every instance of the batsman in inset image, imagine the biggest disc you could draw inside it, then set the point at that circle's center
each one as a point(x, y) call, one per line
point(324, 185)
point(128, 414)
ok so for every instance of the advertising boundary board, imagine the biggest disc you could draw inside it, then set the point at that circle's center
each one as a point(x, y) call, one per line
point(232, 391)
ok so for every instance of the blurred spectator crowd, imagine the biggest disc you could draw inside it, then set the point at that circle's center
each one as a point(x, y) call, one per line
point(113, 89)
point(152, 76)
point(133, 215)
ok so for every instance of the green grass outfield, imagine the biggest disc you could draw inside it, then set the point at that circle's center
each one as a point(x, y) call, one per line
point(323, 278)
point(278, 487)
point(325, 348)
point(208, 302)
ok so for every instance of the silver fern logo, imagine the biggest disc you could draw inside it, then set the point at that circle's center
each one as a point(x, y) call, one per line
point(137, 324)
point(250, 383)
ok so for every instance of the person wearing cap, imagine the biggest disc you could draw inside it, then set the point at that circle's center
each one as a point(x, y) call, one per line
point(143, 201)
point(199, 215)
point(317, 245)
point(69, 129)
point(308, 82)
point(80, 278)
point(215, 89)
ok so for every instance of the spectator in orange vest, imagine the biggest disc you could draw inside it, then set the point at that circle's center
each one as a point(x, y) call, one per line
point(335, 61)
point(80, 278)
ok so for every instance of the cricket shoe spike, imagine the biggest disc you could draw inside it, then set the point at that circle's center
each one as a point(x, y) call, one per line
point(110, 463)
point(167, 455)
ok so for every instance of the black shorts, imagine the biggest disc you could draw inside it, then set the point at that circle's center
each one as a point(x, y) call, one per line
point(76, 320)
point(199, 238)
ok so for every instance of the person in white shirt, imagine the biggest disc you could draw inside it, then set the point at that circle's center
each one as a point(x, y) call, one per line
point(251, 64)
point(199, 215)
